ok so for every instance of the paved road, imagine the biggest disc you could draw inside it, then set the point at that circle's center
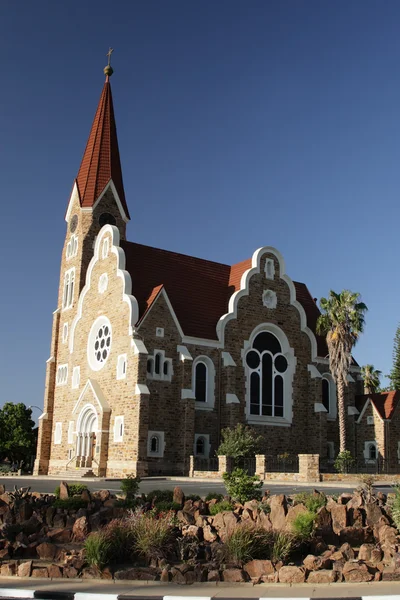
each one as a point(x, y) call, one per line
point(189, 486)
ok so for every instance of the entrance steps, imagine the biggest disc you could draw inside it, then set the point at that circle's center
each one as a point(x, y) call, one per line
point(77, 472)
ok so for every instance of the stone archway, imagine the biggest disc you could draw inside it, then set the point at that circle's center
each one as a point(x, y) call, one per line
point(87, 427)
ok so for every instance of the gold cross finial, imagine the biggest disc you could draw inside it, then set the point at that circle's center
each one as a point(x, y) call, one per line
point(108, 70)
point(110, 51)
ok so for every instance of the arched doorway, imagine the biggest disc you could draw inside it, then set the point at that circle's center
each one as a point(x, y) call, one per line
point(87, 427)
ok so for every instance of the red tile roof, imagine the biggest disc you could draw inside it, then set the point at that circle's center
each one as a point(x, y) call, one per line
point(199, 290)
point(385, 402)
point(101, 161)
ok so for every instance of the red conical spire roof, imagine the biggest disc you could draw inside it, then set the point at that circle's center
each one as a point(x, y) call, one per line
point(101, 161)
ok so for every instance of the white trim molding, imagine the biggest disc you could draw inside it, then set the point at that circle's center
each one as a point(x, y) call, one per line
point(232, 399)
point(184, 353)
point(314, 373)
point(227, 359)
point(141, 389)
point(158, 449)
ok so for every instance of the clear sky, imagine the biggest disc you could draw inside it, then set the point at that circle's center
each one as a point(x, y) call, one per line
point(241, 123)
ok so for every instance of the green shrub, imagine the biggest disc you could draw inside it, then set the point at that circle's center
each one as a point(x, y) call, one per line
point(97, 550)
point(344, 461)
point(246, 542)
point(130, 486)
point(5, 468)
point(396, 506)
point(241, 486)
point(303, 525)
point(166, 506)
point(193, 497)
point(70, 503)
point(74, 489)
point(160, 496)
point(239, 442)
point(264, 507)
point(130, 503)
point(311, 501)
point(152, 535)
point(214, 496)
point(283, 544)
point(220, 507)
point(120, 539)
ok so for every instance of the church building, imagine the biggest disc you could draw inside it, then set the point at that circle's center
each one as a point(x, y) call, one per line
point(154, 352)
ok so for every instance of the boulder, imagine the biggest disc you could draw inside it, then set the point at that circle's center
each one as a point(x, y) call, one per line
point(192, 531)
point(339, 517)
point(140, 573)
point(24, 569)
point(69, 572)
point(355, 517)
point(323, 576)
point(347, 551)
point(233, 576)
point(209, 534)
point(59, 521)
point(55, 572)
point(50, 512)
point(64, 490)
point(345, 498)
point(278, 511)
point(62, 536)
point(373, 514)
point(46, 551)
point(213, 576)
point(355, 571)
point(365, 552)
point(257, 568)
point(5, 553)
point(8, 569)
point(355, 536)
point(292, 513)
point(264, 521)
point(292, 575)
point(179, 496)
point(316, 563)
point(91, 573)
point(42, 572)
point(25, 511)
point(164, 577)
point(356, 501)
point(80, 529)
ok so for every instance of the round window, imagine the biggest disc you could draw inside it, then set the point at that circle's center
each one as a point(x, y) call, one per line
point(281, 363)
point(99, 343)
point(253, 359)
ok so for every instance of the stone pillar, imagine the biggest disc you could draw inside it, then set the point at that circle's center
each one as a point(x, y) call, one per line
point(191, 466)
point(309, 468)
point(224, 464)
point(260, 465)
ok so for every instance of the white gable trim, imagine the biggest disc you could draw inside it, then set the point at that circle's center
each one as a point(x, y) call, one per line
point(228, 360)
point(244, 291)
point(184, 353)
point(319, 407)
point(124, 275)
point(362, 413)
point(98, 395)
point(315, 374)
point(232, 399)
point(164, 294)
point(75, 196)
point(352, 410)
point(138, 346)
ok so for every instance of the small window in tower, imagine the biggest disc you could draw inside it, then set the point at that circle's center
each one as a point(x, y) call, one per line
point(155, 445)
point(157, 364)
point(166, 367)
point(121, 366)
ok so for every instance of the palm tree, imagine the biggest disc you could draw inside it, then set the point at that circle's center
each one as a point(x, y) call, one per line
point(371, 377)
point(342, 321)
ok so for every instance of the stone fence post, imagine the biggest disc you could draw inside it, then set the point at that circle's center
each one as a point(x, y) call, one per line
point(260, 465)
point(224, 464)
point(309, 468)
point(191, 466)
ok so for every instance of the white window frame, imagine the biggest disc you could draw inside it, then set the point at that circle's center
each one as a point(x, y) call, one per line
point(71, 432)
point(119, 429)
point(206, 437)
point(103, 283)
point(288, 353)
point(100, 322)
point(161, 444)
point(68, 290)
point(332, 414)
point(65, 333)
point(105, 249)
point(367, 446)
point(163, 360)
point(76, 377)
point(58, 433)
point(121, 366)
point(160, 332)
point(370, 420)
point(269, 268)
point(72, 247)
point(62, 375)
point(210, 386)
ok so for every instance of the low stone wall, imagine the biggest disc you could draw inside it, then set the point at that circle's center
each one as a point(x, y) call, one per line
point(207, 474)
point(395, 478)
point(282, 477)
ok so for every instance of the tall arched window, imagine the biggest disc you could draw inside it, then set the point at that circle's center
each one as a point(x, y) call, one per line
point(154, 444)
point(267, 367)
point(200, 446)
point(157, 364)
point(201, 382)
point(326, 394)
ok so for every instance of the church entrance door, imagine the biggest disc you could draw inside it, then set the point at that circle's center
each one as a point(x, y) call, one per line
point(86, 439)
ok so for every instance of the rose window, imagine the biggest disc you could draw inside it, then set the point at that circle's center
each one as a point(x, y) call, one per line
point(99, 344)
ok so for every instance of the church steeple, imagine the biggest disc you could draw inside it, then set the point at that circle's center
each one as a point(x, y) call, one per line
point(101, 162)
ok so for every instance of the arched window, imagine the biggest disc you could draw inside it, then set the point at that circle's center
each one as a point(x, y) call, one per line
point(166, 367)
point(326, 394)
point(200, 446)
point(201, 382)
point(267, 367)
point(154, 444)
point(150, 365)
point(157, 364)
point(372, 452)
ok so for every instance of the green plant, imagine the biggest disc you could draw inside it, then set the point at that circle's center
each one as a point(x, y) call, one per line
point(120, 537)
point(5, 468)
point(283, 544)
point(193, 497)
point(214, 496)
point(371, 377)
point(311, 500)
point(97, 550)
point(74, 489)
point(219, 507)
point(166, 506)
point(130, 486)
point(246, 542)
point(152, 534)
point(70, 503)
point(241, 486)
point(239, 442)
point(396, 506)
point(264, 507)
point(130, 503)
point(160, 496)
point(395, 371)
point(303, 525)
point(343, 461)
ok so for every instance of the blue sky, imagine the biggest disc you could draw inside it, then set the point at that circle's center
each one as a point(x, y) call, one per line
point(240, 123)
